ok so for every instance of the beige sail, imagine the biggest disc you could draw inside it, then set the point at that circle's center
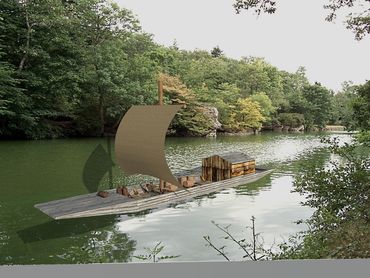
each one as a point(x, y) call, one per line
point(140, 138)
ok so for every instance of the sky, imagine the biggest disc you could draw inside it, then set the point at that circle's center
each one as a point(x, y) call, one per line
point(296, 35)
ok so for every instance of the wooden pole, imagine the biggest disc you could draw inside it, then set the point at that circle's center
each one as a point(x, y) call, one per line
point(160, 92)
point(110, 168)
point(160, 102)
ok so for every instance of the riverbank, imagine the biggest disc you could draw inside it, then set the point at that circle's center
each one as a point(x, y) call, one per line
point(335, 128)
point(248, 132)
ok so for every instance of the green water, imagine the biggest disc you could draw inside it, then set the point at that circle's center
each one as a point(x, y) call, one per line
point(32, 172)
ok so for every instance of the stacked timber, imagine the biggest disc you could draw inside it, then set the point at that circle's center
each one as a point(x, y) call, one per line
point(169, 187)
point(243, 168)
point(226, 166)
point(187, 181)
point(103, 194)
point(130, 192)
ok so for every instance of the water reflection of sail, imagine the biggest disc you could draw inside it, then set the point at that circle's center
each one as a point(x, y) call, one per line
point(140, 138)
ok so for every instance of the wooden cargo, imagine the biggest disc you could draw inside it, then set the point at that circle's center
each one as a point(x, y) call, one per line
point(226, 166)
point(187, 181)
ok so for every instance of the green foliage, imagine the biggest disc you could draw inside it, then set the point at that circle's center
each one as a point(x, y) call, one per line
point(265, 6)
point(191, 120)
point(267, 109)
point(15, 114)
point(70, 62)
point(358, 15)
point(363, 138)
point(249, 114)
point(351, 107)
point(342, 110)
point(361, 108)
point(342, 190)
point(318, 108)
point(293, 85)
point(291, 119)
point(216, 52)
point(74, 70)
point(339, 193)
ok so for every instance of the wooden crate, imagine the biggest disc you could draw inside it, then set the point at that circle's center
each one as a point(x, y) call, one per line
point(217, 168)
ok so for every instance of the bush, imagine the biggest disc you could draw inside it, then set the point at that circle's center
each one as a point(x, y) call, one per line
point(340, 196)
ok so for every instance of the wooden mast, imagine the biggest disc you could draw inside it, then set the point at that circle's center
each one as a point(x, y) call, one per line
point(160, 92)
point(160, 102)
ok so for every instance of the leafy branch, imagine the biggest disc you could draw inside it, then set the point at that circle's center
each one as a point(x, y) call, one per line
point(358, 22)
point(152, 254)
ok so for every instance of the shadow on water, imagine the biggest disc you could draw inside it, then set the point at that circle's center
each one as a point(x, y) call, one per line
point(65, 228)
point(96, 166)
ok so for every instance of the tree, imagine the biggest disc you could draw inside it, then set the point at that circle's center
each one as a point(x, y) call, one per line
point(216, 52)
point(248, 114)
point(267, 109)
point(319, 103)
point(361, 108)
point(293, 84)
point(175, 45)
point(106, 26)
point(31, 27)
point(205, 71)
point(291, 119)
point(342, 110)
point(190, 120)
point(357, 22)
point(14, 109)
point(256, 75)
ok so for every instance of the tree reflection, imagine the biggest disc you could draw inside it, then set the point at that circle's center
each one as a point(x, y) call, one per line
point(73, 241)
point(101, 247)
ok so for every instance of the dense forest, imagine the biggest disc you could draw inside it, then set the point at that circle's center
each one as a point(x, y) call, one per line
point(73, 68)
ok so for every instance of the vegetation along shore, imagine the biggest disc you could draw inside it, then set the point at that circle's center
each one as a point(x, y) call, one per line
point(74, 71)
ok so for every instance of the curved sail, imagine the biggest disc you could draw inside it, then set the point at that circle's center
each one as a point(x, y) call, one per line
point(140, 138)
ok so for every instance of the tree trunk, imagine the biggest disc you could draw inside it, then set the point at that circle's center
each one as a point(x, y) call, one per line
point(28, 38)
point(101, 115)
point(116, 124)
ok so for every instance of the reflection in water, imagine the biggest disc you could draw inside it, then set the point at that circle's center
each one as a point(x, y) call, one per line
point(29, 237)
point(107, 246)
point(89, 240)
point(64, 228)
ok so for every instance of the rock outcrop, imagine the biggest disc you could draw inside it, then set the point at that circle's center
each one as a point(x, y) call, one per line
point(212, 114)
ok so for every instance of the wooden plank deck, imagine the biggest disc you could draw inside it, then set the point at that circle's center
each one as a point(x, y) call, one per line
point(91, 205)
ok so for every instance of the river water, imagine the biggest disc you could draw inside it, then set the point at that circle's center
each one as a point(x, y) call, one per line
point(33, 172)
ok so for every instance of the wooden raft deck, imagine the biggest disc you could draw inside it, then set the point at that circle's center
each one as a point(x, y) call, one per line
point(91, 205)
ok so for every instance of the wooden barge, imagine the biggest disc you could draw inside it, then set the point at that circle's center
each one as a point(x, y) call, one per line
point(88, 205)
